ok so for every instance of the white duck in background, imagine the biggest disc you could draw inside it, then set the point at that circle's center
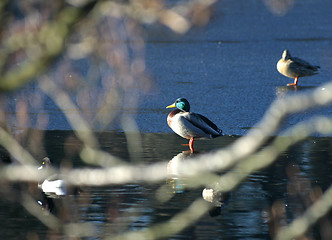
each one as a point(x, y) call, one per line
point(294, 67)
point(52, 184)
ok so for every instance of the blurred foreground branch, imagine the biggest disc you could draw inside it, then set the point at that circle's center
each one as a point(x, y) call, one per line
point(178, 223)
point(300, 225)
point(42, 47)
point(236, 153)
point(15, 149)
point(33, 47)
point(243, 165)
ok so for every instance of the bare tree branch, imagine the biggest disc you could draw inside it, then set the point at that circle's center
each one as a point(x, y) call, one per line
point(50, 40)
point(301, 224)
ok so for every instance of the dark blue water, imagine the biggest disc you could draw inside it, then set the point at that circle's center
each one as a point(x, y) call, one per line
point(110, 210)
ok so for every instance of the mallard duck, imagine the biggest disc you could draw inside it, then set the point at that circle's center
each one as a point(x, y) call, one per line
point(190, 125)
point(293, 67)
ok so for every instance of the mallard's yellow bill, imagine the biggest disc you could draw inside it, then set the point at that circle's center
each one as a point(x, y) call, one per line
point(171, 106)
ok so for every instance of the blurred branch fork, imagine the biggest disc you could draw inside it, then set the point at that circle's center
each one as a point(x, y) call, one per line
point(241, 155)
point(41, 46)
point(28, 53)
point(43, 43)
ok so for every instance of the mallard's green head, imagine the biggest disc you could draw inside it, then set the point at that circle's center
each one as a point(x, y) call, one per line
point(181, 103)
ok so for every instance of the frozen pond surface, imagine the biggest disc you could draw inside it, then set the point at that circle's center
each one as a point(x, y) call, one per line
point(227, 70)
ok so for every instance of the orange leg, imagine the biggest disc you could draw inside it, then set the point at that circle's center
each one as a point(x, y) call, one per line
point(295, 82)
point(191, 144)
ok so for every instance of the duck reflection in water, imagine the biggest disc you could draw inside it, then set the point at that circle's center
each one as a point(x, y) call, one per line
point(177, 182)
point(284, 91)
point(190, 125)
point(47, 203)
point(176, 178)
point(173, 166)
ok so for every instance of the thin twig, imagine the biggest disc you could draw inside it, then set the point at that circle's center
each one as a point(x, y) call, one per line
point(301, 224)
